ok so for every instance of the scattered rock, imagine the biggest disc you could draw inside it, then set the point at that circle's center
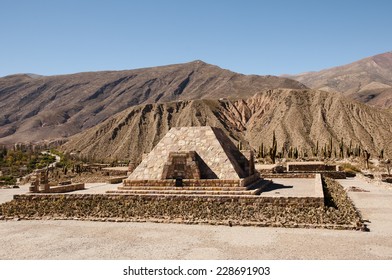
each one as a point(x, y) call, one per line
point(356, 189)
point(278, 169)
point(365, 228)
point(370, 176)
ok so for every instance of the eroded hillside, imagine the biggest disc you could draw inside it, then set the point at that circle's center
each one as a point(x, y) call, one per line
point(298, 117)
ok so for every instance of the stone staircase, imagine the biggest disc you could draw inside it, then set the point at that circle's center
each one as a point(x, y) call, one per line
point(251, 190)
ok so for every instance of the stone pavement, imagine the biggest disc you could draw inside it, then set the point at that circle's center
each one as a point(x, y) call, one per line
point(8, 194)
point(374, 203)
point(293, 187)
point(90, 188)
point(98, 188)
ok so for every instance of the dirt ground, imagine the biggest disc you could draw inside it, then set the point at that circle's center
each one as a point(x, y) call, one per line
point(77, 240)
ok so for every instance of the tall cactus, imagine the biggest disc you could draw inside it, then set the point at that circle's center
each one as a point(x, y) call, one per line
point(261, 150)
point(295, 154)
point(341, 148)
point(290, 152)
point(316, 149)
point(330, 147)
point(349, 149)
point(304, 152)
point(381, 156)
point(366, 156)
point(239, 146)
point(356, 151)
point(273, 149)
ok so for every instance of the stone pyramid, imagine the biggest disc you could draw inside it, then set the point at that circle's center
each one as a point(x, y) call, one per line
point(216, 156)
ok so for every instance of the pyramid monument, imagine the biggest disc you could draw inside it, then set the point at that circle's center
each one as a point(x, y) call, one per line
point(196, 154)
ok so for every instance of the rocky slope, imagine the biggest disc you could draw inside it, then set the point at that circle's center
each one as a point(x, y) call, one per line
point(34, 108)
point(299, 118)
point(368, 80)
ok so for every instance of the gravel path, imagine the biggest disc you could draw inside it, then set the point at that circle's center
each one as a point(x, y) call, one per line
point(97, 240)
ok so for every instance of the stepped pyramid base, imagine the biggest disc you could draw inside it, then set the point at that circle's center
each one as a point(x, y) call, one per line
point(191, 187)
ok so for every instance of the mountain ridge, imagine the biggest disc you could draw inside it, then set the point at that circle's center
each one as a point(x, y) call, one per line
point(116, 114)
point(52, 107)
point(368, 80)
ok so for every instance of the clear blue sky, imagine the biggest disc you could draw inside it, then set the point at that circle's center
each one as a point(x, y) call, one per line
point(250, 37)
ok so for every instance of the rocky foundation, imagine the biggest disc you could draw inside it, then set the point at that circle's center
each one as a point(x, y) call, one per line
point(339, 212)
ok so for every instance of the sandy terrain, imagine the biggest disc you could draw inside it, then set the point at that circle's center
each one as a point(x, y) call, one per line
point(97, 240)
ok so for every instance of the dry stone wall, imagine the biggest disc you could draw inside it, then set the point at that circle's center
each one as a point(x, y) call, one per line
point(329, 174)
point(192, 182)
point(339, 212)
point(185, 183)
point(113, 172)
point(62, 188)
point(309, 167)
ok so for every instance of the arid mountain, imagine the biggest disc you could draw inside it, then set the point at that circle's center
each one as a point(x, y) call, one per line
point(299, 118)
point(34, 108)
point(368, 80)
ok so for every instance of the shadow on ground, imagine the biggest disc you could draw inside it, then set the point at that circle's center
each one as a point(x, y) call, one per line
point(268, 186)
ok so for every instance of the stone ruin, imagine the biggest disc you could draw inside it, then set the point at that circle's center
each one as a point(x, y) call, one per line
point(197, 175)
point(204, 162)
point(302, 170)
point(194, 156)
point(39, 183)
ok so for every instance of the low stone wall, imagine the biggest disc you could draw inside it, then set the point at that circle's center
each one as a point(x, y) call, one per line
point(152, 183)
point(301, 175)
point(193, 182)
point(339, 213)
point(64, 188)
point(291, 175)
point(334, 174)
point(64, 183)
point(336, 198)
point(309, 167)
point(116, 180)
point(318, 187)
point(185, 183)
point(112, 171)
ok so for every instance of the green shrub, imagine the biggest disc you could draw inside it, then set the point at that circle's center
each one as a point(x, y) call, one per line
point(351, 170)
point(8, 180)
